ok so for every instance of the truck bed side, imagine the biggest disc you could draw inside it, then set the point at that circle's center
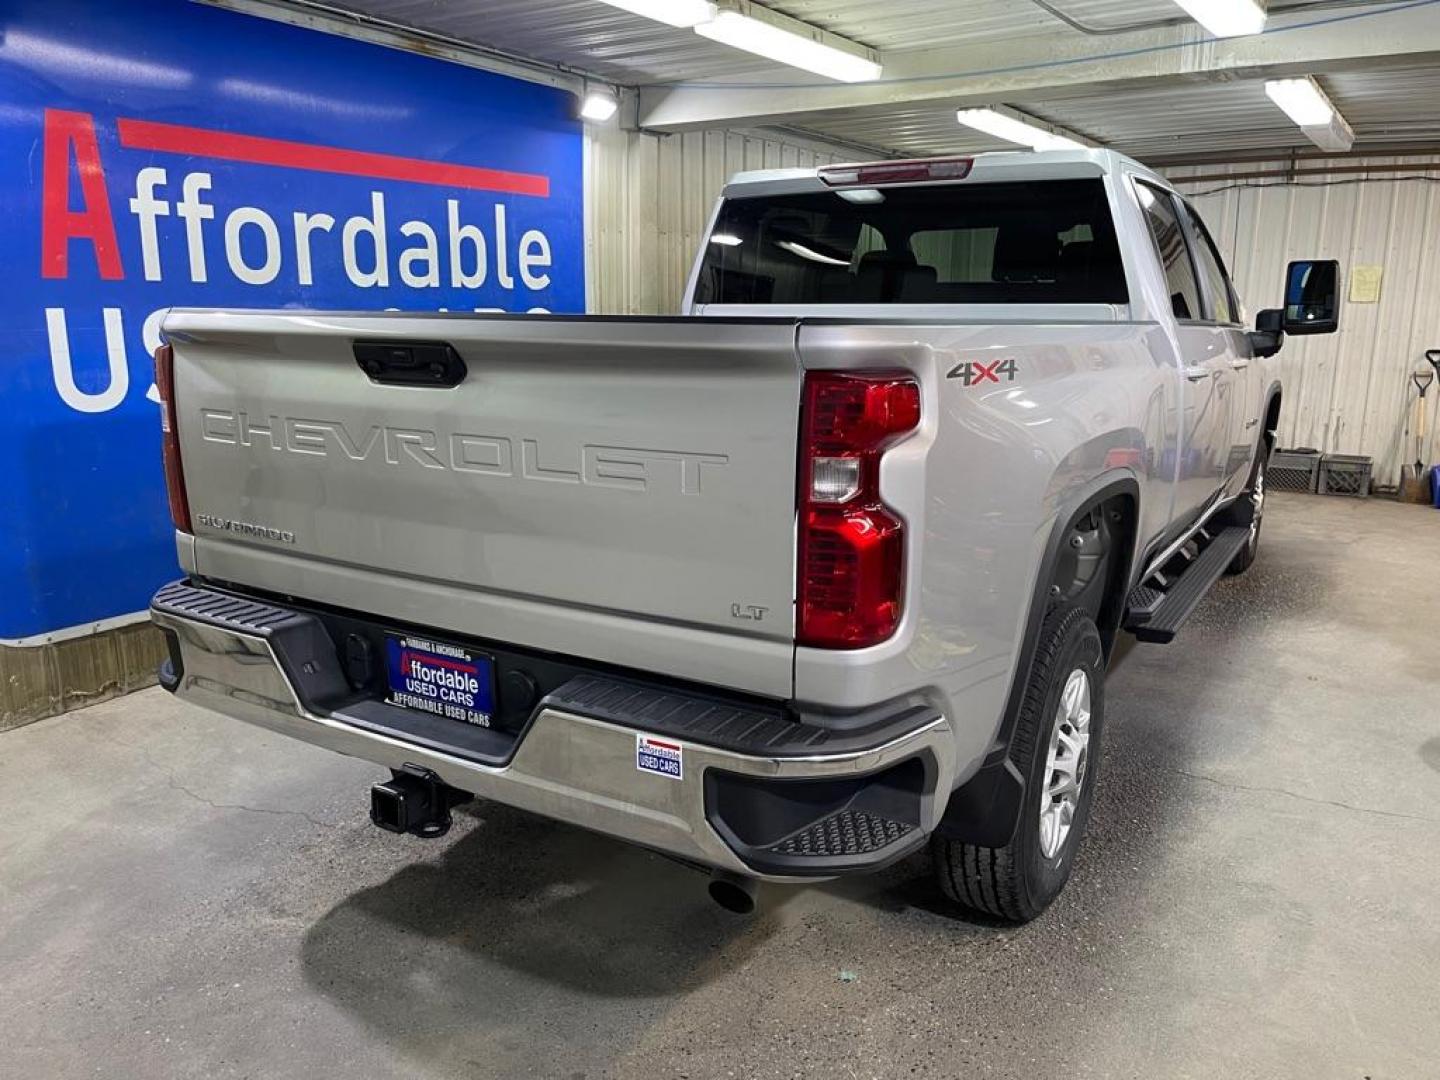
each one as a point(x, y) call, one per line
point(1066, 409)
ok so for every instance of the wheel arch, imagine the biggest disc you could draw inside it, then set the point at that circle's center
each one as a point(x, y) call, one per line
point(986, 808)
point(1271, 417)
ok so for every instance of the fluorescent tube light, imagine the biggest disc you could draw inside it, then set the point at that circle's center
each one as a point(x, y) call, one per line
point(775, 42)
point(1003, 125)
point(598, 106)
point(682, 13)
point(1227, 18)
point(1302, 99)
point(1306, 104)
point(1336, 136)
point(726, 239)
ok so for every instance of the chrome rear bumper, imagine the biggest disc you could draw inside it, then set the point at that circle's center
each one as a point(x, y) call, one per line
point(567, 766)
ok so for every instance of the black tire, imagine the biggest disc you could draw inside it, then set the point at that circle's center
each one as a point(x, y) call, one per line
point(1018, 881)
point(1256, 494)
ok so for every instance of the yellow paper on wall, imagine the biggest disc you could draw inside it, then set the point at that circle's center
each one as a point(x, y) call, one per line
point(1365, 284)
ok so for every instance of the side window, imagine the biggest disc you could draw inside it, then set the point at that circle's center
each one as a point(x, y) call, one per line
point(1173, 251)
point(1213, 269)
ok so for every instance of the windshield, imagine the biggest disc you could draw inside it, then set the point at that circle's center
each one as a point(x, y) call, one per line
point(1039, 242)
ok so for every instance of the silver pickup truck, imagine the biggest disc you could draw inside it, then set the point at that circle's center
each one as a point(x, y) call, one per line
point(824, 570)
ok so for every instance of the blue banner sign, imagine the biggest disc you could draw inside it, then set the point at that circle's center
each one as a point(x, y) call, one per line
point(161, 153)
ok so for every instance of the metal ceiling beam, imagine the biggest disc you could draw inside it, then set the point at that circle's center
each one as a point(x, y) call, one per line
point(361, 26)
point(1065, 66)
point(1290, 176)
point(1367, 151)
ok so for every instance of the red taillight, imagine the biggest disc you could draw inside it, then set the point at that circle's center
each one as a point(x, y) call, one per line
point(852, 546)
point(170, 438)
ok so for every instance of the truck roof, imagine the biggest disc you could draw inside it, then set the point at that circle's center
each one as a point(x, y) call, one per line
point(996, 165)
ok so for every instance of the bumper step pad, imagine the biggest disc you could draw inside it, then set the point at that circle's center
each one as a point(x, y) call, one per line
point(845, 832)
point(745, 729)
point(222, 609)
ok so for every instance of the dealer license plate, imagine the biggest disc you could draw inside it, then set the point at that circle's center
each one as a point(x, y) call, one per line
point(439, 678)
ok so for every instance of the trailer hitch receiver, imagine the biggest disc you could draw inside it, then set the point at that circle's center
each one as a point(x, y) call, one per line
point(414, 801)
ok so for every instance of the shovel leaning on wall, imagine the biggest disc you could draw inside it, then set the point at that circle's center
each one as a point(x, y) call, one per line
point(1433, 355)
point(1416, 485)
point(1422, 381)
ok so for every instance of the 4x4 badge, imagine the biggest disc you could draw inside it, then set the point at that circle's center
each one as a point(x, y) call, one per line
point(973, 372)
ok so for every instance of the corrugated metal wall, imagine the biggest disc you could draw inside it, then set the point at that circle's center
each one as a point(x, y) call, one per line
point(648, 200)
point(1348, 392)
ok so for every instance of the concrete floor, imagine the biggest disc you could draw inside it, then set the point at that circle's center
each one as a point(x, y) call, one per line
point(184, 896)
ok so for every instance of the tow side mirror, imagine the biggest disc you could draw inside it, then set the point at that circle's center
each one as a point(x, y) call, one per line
point(1269, 332)
point(1312, 297)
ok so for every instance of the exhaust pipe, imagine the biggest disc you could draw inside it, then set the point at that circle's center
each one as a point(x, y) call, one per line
point(733, 892)
point(414, 801)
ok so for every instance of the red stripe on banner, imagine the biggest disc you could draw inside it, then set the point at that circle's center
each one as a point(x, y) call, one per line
point(438, 661)
point(202, 142)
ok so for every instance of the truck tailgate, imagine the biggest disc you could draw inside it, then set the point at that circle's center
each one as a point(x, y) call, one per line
point(588, 486)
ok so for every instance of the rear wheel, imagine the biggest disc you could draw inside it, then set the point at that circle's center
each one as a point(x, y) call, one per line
point(1055, 746)
point(1256, 495)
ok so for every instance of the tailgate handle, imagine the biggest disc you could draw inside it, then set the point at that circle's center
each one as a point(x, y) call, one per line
point(410, 363)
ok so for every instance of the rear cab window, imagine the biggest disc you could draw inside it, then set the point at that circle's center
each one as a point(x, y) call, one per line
point(1032, 242)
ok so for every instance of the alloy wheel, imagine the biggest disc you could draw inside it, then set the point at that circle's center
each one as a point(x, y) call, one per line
point(1065, 764)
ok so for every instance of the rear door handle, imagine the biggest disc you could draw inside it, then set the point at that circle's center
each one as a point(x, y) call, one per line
point(1198, 374)
point(1239, 365)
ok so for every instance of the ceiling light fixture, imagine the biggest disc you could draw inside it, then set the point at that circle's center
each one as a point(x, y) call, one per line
point(1016, 127)
point(598, 105)
point(681, 13)
point(789, 41)
point(1302, 99)
point(1316, 116)
point(1227, 18)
